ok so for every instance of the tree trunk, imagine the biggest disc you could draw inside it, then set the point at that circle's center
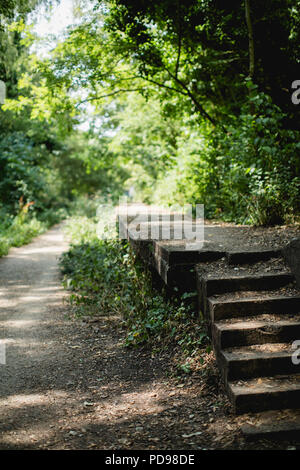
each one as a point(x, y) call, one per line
point(250, 36)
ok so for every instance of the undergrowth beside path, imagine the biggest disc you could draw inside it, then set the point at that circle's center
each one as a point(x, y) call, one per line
point(21, 231)
point(106, 278)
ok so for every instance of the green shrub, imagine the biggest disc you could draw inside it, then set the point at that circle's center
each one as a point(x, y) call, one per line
point(21, 229)
point(21, 172)
point(249, 174)
point(106, 278)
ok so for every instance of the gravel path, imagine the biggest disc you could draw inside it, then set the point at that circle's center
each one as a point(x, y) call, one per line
point(30, 312)
point(70, 383)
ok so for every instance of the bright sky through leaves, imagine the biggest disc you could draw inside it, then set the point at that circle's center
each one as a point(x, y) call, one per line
point(51, 24)
point(56, 21)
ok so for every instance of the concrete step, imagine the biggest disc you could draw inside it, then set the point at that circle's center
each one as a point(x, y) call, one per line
point(259, 360)
point(261, 329)
point(251, 256)
point(283, 425)
point(267, 393)
point(213, 285)
point(177, 252)
point(180, 276)
point(221, 307)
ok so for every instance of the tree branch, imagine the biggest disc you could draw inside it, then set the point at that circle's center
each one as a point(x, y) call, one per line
point(162, 85)
point(107, 95)
point(179, 41)
point(200, 108)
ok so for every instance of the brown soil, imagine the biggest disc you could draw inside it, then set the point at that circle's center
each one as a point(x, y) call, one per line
point(220, 268)
point(290, 290)
point(244, 237)
point(264, 318)
point(265, 348)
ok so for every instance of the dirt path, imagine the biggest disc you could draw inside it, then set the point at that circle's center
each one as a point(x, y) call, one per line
point(70, 384)
point(30, 314)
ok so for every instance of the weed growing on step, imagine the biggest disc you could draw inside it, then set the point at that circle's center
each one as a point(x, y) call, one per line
point(106, 278)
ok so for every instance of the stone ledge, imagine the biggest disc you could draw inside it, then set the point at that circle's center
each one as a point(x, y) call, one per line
point(291, 253)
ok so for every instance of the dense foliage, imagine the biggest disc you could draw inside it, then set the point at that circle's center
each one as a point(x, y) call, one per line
point(43, 166)
point(187, 101)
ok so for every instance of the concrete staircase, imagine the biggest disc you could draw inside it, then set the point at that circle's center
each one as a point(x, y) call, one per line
point(251, 301)
point(254, 319)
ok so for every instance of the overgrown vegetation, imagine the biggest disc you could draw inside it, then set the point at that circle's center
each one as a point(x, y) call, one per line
point(44, 167)
point(188, 106)
point(184, 103)
point(106, 278)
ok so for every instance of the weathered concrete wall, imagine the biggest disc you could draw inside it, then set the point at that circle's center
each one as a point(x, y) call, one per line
point(292, 255)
